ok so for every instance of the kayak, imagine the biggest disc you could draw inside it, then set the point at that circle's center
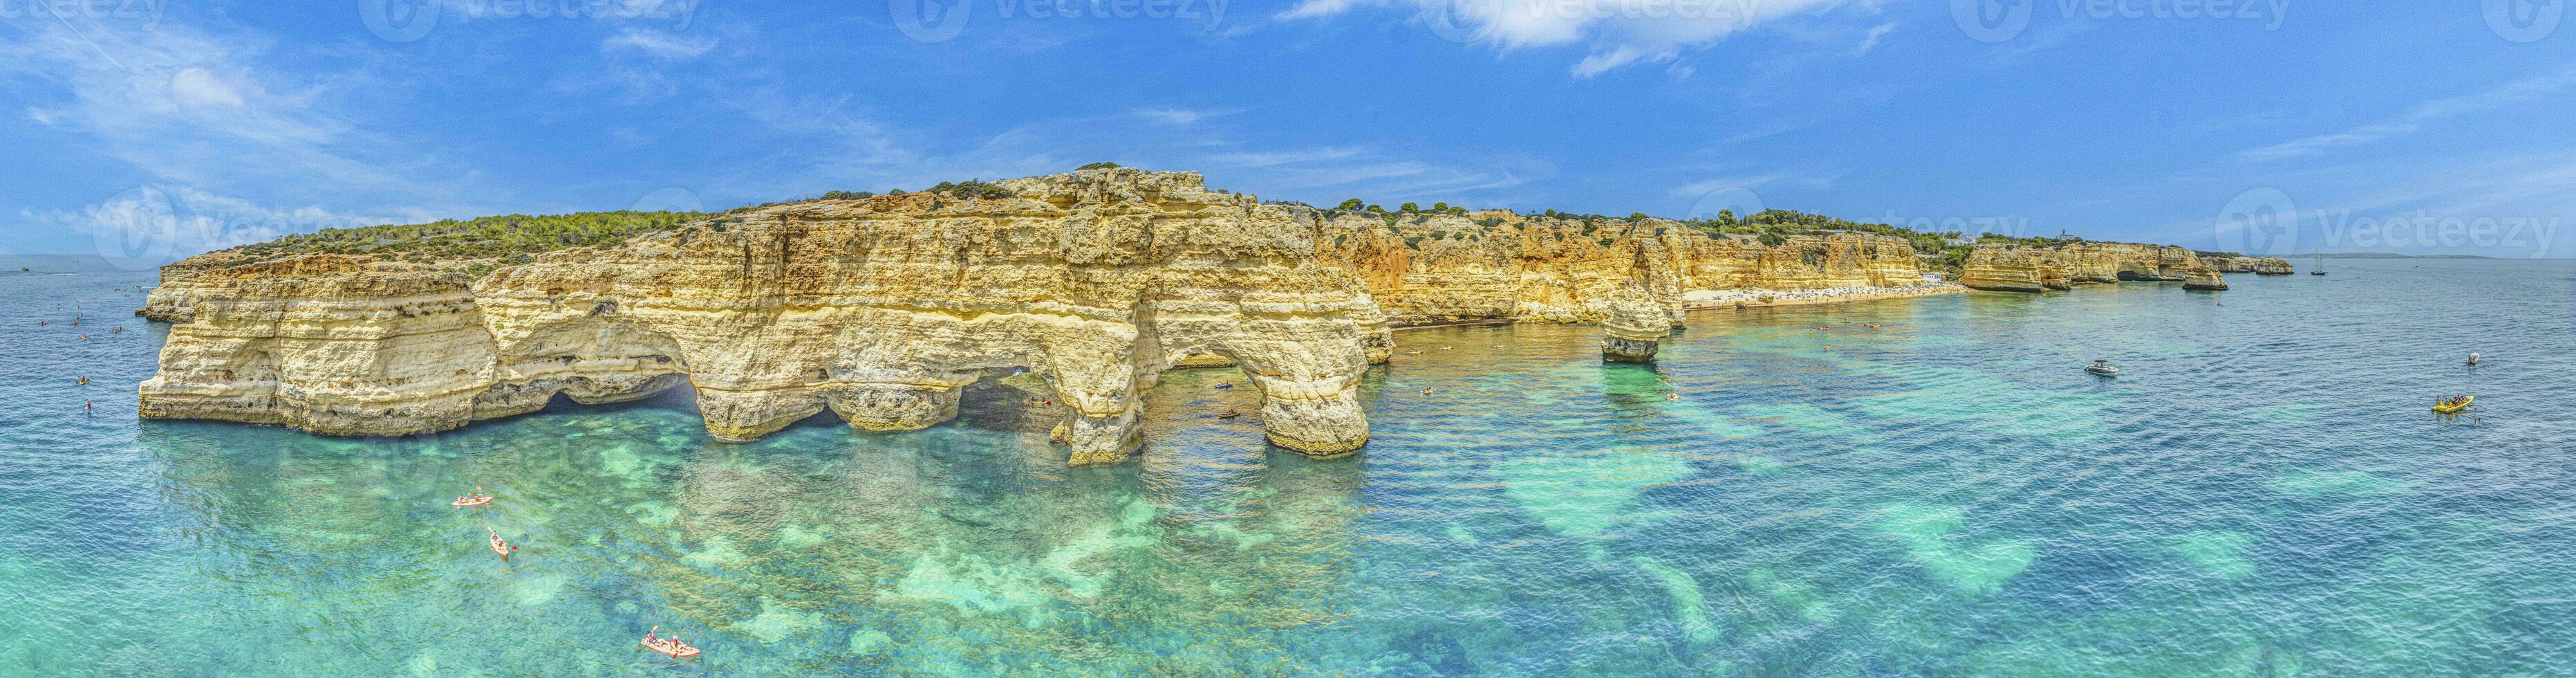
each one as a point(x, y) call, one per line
point(469, 502)
point(502, 548)
point(2454, 408)
point(668, 646)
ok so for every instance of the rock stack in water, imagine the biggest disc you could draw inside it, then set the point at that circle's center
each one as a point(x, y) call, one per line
point(878, 309)
point(2034, 268)
point(1633, 326)
point(2203, 278)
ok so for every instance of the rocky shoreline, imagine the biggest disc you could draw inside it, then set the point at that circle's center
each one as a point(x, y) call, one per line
point(880, 308)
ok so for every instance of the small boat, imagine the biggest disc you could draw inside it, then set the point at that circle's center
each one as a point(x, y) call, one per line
point(471, 501)
point(501, 548)
point(2103, 368)
point(668, 646)
point(2454, 407)
point(1225, 384)
point(2473, 358)
point(2321, 266)
point(1228, 414)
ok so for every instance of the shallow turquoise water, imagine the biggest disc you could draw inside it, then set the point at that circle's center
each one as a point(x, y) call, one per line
point(2263, 493)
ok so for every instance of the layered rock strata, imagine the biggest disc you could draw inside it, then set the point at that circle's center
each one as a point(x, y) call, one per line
point(1634, 326)
point(2022, 268)
point(2204, 278)
point(1432, 268)
point(877, 309)
point(2245, 264)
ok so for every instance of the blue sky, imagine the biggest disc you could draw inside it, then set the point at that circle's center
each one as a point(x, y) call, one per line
point(147, 129)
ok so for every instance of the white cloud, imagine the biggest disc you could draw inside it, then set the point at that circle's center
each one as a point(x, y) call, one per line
point(1871, 41)
point(658, 44)
point(155, 224)
point(1616, 33)
point(198, 87)
point(2416, 118)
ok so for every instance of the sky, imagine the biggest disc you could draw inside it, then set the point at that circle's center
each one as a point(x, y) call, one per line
point(145, 130)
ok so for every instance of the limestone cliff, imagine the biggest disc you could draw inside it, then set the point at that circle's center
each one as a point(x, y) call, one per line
point(2235, 263)
point(1428, 268)
point(2203, 278)
point(2034, 268)
point(878, 309)
point(1635, 325)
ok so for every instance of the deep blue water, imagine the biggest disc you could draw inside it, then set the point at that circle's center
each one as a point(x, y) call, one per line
point(2263, 492)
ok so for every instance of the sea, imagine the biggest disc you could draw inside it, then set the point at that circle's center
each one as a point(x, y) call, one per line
point(1925, 486)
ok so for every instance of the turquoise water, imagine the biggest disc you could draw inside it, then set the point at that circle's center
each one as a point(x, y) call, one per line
point(2262, 493)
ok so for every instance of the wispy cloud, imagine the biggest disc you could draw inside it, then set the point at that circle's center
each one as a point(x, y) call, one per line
point(1616, 33)
point(2416, 118)
point(661, 45)
point(1871, 41)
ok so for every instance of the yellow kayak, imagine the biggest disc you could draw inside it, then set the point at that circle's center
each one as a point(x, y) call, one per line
point(2454, 408)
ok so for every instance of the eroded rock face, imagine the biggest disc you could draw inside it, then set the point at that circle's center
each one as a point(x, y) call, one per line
point(1431, 268)
point(2245, 264)
point(878, 309)
point(1634, 325)
point(2012, 268)
point(2204, 278)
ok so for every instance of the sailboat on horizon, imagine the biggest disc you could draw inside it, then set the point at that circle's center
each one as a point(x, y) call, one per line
point(2320, 268)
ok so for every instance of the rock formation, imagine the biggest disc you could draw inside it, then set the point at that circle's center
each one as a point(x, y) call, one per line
point(2237, 263)
point(2032, 268)
point(2203, 278)
point(1634, 325)
point(878, 309)
point(1429, 268)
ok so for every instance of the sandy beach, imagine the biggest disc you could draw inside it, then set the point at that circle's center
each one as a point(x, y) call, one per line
point(1753, 297)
